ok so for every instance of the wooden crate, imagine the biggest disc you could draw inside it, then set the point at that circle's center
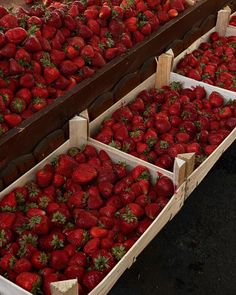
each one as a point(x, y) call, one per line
point(192, 180)
point(21, 147)
point(230, 31)
point(78, 132)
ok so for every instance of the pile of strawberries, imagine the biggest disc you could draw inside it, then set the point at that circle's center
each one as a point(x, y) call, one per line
point(49, 48)
point(232, 21)
point(214, 62)
point(160, 124)
point(76, 219)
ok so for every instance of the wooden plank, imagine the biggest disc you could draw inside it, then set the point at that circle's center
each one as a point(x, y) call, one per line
point(164, 68)
point(189, 159)
point(179, 172)
point(68, 287)
point(223, 20)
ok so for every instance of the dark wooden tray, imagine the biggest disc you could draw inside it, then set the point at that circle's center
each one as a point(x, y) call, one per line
point(37, 136)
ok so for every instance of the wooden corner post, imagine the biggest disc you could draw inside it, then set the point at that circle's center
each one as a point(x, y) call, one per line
point(78, 131)
point(164, 68)
point(223, 20)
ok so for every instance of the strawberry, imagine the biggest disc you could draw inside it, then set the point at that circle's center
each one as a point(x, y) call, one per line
point(22, 265)
point(98, 232)
point(67, 67)
point(92, 278)
point(38, 104)
point(98, 60)
point(16, 35)
point(216, 99)
point(74, 272)
point(128, 222)
point(77, 237)
point(65, 165)
point(27, 80)
point(85, 32)
point(7, 261)
point(111, 53)
point(9, 21)
point(12, 119)
point(51, 73)
point(84, 173)
point(94, 199)
point(39, 260)
point(44, 177)
point(9, 202)
point(118, 252)
point(91, 246)
point(15, 68)
point(164, 187)
point(84, 219)
point(59, 217)
point(152, 210)
point(59, 259)
point(78, 259)
point(9, 50)
point(29, 281)
point(52, 241)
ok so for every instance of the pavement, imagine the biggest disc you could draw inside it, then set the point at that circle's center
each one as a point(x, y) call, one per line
point(195, 252)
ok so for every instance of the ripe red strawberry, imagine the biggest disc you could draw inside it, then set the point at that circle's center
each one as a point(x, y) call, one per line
point(44, 177)
point(84, 219)
point(65, 165)
point(152, 210)
point(12, 119)
point(22, 265)
point(77, 237)
point(52, 241)
point(29, 281)
point(59, 259)
point(8, 202)
point(27, 80)
point(84, 173)
point(59, 217)
point(91, 246)
point(74, 272)
point(38, 104)
point(128, 222)
point(94, 199)
point(15, 68)
point(164, 187)
point(92, 278)
point(39, 260)
point(8, 21)
point(78, 259)
point(67, 67)
point(8, 50)
point(98, 232)
point(16, 35)
point(216, 99)
point(7, 261)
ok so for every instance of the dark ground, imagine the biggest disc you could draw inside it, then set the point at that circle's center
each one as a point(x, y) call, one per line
point(196, 252)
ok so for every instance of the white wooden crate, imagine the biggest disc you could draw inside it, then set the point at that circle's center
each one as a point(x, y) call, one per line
point(171, 209)
point(197, 176)
point(230, 31)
